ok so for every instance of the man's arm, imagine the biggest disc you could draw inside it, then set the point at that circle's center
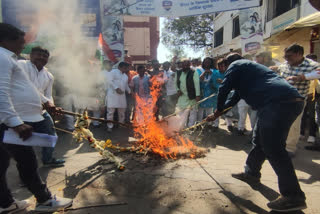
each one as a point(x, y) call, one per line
point(8, 115)
point(232, 101)
point(226, 86)
point(48, 89)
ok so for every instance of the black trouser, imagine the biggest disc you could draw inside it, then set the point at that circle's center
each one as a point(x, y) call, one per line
point(309, 117)
point(269, 140)
point(27, 166)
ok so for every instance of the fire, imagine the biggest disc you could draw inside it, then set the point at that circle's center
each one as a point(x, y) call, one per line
point(151, 134)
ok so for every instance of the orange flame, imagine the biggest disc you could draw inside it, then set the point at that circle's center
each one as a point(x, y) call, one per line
point(151, 134)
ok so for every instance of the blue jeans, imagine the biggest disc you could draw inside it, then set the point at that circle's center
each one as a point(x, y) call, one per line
point(269, 142)
point(48, 128)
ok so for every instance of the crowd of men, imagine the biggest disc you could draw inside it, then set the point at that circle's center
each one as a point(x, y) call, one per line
point(280, 99)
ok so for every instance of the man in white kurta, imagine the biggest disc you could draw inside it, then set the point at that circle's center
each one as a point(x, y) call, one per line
point(116, 97)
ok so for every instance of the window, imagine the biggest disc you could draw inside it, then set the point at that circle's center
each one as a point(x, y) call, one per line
point(279, 7)
point(218, 37)
point(236, 27)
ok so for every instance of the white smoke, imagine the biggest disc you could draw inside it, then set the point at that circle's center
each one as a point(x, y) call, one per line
point(59, 29)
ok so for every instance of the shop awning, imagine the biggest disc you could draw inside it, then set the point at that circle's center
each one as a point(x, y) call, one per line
point(308, 21)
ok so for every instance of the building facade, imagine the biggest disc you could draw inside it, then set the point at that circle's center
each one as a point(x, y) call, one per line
point(141, 38)
point(276, 16)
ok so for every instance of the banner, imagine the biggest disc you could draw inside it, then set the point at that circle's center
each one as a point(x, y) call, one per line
point(172, 8)
point(251, 30)
point(111, 40)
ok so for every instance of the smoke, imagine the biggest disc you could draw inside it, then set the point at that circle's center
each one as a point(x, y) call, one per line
point(58, 24)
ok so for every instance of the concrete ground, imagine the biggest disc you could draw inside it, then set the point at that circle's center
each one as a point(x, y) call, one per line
point(153, 185)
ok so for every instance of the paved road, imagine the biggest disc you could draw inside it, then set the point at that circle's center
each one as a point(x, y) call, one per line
point(150, 185)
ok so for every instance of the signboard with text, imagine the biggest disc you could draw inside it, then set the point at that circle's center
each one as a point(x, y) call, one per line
point(172, 8)
point(281, 22)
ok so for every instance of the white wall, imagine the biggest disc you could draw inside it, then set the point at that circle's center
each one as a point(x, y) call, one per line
point(306, 8)
point(225, 20)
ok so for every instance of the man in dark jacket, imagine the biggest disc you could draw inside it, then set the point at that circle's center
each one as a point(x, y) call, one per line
point(278, 105)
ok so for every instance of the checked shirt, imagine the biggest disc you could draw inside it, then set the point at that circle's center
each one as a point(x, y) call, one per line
point(305, 67)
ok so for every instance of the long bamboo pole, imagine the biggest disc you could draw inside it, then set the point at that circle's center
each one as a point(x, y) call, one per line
point(97, 119)
point(190, 107)
point(204, 121)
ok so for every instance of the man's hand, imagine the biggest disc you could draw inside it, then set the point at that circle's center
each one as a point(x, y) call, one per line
point(274, 68)
point(52, 109)
point(198, 98)
point(219, 81)
point(296, 78)
point(24, 131)
point(214, 116)
point(179, 93)
point(119, 91)
point(202, 76)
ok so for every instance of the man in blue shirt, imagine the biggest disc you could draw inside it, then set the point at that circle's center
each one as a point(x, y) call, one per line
point(278, 105)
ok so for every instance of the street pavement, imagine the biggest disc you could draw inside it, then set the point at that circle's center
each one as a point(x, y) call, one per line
point(153, 185)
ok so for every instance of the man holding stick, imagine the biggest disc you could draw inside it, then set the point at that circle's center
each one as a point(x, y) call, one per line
point(21, 109)
point(278, 105)
point(43, 80)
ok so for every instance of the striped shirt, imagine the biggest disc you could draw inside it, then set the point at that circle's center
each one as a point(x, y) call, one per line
point(307, 66)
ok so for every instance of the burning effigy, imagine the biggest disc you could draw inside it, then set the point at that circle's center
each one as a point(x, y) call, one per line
point(162, 137)
point(158, 137)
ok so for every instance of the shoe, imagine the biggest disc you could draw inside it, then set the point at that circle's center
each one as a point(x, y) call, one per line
point(215, 128)
point(246, 178)
point(16, 206)
point(311, 139)
point(55, 162)
point(240, 132)
point(54, 204)
point(286, 204)
point(230, 128)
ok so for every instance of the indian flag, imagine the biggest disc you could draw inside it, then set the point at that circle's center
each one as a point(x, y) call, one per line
point(104, 51)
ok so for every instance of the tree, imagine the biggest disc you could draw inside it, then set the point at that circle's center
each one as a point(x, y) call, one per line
point(177, 51)
point(193, 31)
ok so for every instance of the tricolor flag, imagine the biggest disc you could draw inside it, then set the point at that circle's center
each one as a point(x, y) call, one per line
point(104, 51)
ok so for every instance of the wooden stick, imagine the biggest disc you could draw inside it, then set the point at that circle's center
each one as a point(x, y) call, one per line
point(94, 118)
point(190, 107)
point(204, 121)
point(96, 206)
